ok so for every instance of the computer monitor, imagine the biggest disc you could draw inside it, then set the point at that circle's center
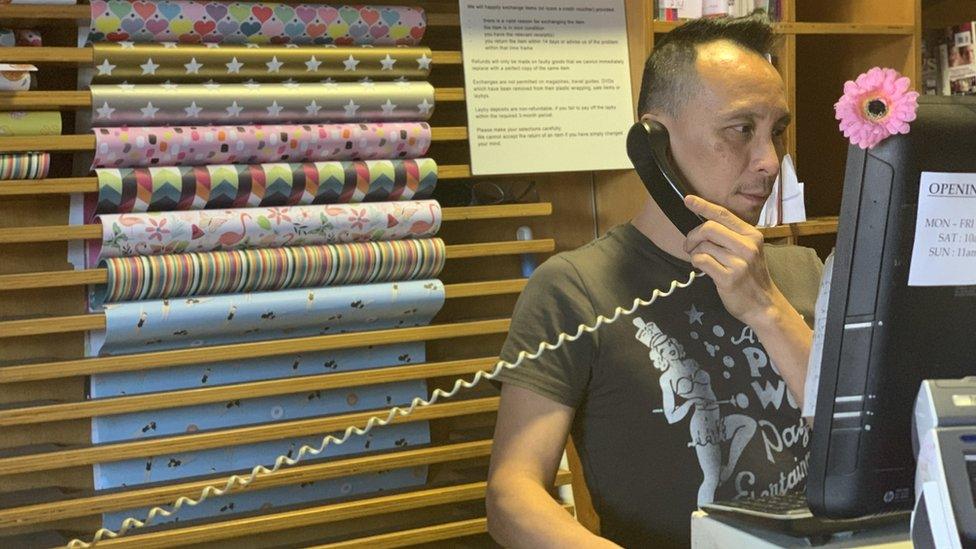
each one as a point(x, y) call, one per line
point(883, 337)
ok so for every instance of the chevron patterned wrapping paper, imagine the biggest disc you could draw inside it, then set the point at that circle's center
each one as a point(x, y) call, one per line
point(255, 23)
point(208, 273)
point(117, 62)
point(158, 233)
point(199, 145)
point(133, 190)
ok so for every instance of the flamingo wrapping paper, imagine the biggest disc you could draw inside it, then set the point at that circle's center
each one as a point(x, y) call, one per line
point(156, 233)
point(168, 103)
point(255, 23)
point(143, 326)
point(117, 62)
point(200, 145)
point(179, 275)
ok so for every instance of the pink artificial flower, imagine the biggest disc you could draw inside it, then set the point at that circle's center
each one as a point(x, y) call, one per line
point(876, 105)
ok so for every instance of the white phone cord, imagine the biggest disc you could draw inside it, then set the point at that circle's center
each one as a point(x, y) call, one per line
point(261, 470)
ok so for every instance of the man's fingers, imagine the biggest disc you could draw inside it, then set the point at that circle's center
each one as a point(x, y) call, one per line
point(718, 214)
point(727, 259)
point(720, 235)
point(709, 265)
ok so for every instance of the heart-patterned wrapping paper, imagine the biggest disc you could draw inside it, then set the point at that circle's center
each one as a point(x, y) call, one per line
point(168, 103)
point(191, 21)
point(117, 62)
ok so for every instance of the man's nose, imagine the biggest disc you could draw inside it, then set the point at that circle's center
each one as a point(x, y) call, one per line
point(766, 158)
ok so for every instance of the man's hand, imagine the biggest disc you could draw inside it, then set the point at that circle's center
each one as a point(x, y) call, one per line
point(730, 251)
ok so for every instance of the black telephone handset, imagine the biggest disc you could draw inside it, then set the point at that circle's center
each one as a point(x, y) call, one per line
point(648, 146)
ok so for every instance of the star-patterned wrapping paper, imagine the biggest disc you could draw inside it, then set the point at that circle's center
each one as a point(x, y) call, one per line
point(144, 326)
point(165, 188)
point(210, 273)
point(157, 233)
point(213, 103)
point(199, 145)
point(255, 23)
point(117, 62)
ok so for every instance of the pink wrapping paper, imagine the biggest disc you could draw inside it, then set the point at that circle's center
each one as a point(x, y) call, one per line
point(200, 145)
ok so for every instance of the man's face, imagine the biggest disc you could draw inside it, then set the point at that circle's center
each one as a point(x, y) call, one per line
point(727, 138)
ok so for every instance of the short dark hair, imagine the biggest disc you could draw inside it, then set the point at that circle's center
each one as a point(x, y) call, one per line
point(669, 73)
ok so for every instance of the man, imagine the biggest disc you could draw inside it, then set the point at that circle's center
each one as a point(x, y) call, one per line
point(679, 403)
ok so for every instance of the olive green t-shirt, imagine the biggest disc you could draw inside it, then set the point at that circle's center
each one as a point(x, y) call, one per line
point(677, 404)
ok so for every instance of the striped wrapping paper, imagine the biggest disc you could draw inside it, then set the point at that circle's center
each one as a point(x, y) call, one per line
point(32, 165)
point(125, 190)
point(180, 275)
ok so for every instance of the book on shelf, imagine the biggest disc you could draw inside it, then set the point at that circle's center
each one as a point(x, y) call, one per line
point(949, 60)
point(675, 10)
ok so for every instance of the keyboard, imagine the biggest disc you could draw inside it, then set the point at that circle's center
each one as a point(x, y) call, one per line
point(789, 514)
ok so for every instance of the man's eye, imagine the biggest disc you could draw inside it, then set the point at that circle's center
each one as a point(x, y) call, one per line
point(778, 132)
point(744, 129)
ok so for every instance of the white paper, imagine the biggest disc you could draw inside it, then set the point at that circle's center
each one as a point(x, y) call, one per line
point(785, 204)
point(944, 253)
point(812, 385)
point(715, 7)
point(548, 85)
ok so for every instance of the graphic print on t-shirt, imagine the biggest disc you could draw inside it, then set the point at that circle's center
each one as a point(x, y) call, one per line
point(726, 403)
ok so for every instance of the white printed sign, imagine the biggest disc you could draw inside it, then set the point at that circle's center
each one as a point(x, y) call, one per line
point(945, 233)
point(547, 85)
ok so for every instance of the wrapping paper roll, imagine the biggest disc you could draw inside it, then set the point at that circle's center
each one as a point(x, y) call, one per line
point(123, 62)
point(157, 233)
point(128, 190)
point(143, 326)
point(30, 123)
point(24, 165)
point(200, 145)
point(152, 105)
point(209, 273)
point(190, 21)
point(15, 77)
point(20, 37)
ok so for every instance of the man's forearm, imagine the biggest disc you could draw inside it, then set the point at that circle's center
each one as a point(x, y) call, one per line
point(787, 340)
point(522, 514)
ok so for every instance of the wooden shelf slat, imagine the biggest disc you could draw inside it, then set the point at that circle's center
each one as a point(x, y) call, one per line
point(86, 142)
point(57, 279)
point(68, 185)
point(273, 522)
point(59, 233)
point(237, 436)
point(96, 321)
point(810, 227)
point(73, 100)
point(41, 12)
point(85, 56)
point(812, 28)
point(37, 371)
point(162, 495)
point(255, 389)
point(419, 536)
